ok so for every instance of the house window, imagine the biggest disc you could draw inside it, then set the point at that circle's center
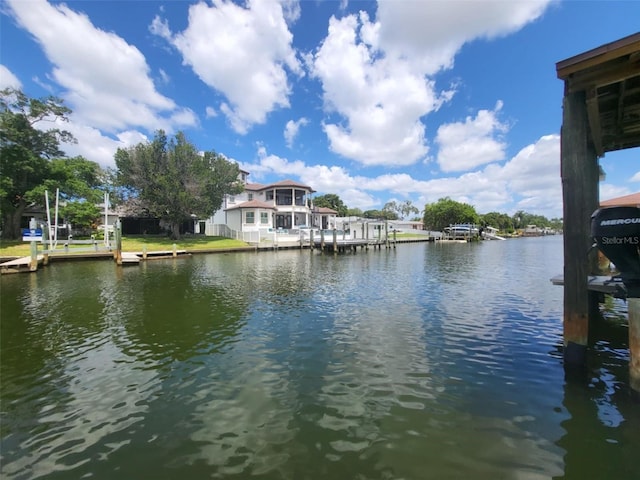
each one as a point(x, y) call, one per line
point(284, 197)
point(249, 217)
point(269, 195)
point(232, 199)
point(264, 218)
point(250, 196)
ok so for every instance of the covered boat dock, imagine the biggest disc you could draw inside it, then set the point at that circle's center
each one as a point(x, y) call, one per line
point(601, 113)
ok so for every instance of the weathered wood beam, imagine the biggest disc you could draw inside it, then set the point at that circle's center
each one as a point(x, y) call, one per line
point(602, 77)
point(579, 171)
point(625, 46)
point(593, 112)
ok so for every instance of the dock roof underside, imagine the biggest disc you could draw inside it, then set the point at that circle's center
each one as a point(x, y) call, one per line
point(610, 77)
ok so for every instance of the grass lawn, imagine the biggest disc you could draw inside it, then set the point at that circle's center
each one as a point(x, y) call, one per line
point(17, 248)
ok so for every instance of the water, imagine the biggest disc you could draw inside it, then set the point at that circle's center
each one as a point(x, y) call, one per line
point(428, 361)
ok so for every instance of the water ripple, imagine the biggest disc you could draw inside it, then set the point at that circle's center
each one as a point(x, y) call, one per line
point(443, 359)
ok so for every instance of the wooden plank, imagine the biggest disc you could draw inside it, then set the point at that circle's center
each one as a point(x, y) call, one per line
point(599, 283)
point(598, 56)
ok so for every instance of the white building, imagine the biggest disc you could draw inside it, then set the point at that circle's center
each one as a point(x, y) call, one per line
point(282, 206)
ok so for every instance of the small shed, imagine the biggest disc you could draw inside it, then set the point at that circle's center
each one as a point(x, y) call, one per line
point(601, 113)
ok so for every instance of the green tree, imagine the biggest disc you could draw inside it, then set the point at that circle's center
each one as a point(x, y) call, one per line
point(521, 219)
point(447, 212)
point(26, 151)
point(391, 210)
point(333, 201)
point(80, 183)
point(380, 215)
point(354, 212)
point(501, 221)
point(407, 208)
point(81, 214)
point(399, 210)
point(556, 224)
point(173, 181)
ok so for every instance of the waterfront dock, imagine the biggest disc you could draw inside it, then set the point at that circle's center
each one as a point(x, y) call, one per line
point(22, 264)
point(351, 245)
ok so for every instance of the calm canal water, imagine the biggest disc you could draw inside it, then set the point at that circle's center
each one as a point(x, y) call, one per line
point(425, 362)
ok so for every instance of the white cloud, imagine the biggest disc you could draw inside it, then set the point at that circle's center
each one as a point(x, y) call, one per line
point(533, 175)
point(8, 79)
point(241, 52)
point(608, 191)
point(635, 178)
point(95, 146)
point(292, 128)
point(474, 142)
point(431, 33)
point(382, 102)
point(211, 112)
point(377, 76)
point(107, 80)
point(529, 181)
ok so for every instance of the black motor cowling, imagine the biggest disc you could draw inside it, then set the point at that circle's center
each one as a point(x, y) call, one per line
point(616, 231)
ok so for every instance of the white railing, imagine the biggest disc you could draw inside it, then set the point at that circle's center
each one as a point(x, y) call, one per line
point(221, 230)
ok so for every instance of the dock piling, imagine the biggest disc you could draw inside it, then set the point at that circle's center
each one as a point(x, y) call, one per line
point(634, 346)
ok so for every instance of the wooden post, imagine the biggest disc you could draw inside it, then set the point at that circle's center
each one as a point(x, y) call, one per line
point(386, 234)
point(33, 263)
point(117, 254)
point(311, 245)
point(634, 346)
point(579, 171)
point(335, 241)
point(175, 250)
point(144, 252)
point(322, 241)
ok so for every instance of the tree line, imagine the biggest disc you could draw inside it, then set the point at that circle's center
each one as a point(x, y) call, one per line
point(438, 215)
point(447, 212)
point(165, 178)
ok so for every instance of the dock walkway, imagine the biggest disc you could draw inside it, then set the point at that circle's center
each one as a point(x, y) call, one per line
point(17, 265)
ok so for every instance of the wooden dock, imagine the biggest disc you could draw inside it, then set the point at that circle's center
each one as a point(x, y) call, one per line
point(600, 283)
point(350, 245)
point(19, 265)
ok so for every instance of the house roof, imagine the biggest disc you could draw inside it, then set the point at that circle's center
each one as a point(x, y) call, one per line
point(326, 210)
point(632, 200)
point(255, 187)
point(253, 204)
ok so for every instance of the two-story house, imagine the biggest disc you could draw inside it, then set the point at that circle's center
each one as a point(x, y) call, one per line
point(284, 205)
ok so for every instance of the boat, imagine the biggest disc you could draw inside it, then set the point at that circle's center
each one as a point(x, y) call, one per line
point(491, 233)
point(463, 230)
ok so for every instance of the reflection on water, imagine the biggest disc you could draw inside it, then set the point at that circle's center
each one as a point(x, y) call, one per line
point(428, 361)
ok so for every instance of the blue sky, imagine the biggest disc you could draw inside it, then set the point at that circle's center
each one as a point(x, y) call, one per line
point(373, 101)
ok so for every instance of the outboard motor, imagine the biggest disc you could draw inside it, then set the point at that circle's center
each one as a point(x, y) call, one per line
point(616, 231)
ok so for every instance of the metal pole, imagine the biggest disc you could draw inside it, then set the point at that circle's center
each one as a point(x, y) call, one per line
point(56, 217)
point(46, 201)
